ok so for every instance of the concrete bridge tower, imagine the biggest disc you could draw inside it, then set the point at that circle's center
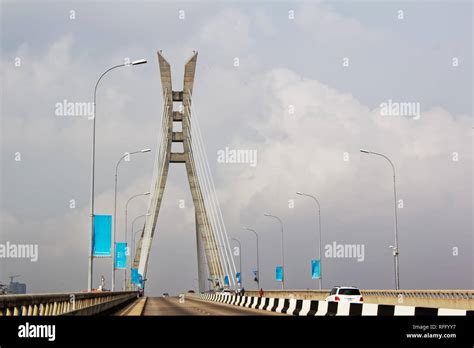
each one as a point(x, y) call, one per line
point(207, 245)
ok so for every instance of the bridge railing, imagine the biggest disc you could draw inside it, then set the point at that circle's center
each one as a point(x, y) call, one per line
point(448, 294)
point(459, 299)
point(90, 303)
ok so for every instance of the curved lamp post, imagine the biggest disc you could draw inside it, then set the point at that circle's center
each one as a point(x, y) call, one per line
point(395, 247)
point(320, 243)
point(115, 211)
point(126, 226)
point(258, 266)
point(282, 249)
point(133, 243)
point(91, 234)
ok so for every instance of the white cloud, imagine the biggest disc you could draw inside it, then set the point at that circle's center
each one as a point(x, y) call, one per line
point(228, 31)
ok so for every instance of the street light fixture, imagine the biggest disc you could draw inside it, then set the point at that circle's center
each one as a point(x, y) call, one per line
point(395, 247)
point(115, 211)
point(320, 237)
point(140, 61)
point(91, 234)
point(258, 267)
point(282, 249)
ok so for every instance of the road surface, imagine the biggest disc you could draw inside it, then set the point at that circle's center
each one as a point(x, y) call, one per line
point(191, 306)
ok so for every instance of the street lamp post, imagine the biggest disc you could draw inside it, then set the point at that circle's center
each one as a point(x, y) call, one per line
point(133, 242)
point(126, 227)
point(133, 248)
point(91, 234)
point(282, 249)
point(126, 222)
point(240, 261)
point(258, 266)
point(395, 247)
point(320, 238)
point(115, 212)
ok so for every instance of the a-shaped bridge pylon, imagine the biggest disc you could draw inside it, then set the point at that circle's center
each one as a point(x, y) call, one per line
point(213, 248)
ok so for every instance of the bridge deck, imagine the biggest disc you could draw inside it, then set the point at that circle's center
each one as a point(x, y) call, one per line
point(191, 306)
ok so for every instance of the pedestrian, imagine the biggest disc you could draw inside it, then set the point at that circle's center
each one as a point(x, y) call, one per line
point(261, 293)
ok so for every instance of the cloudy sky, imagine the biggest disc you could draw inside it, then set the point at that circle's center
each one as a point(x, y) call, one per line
point(306, 95)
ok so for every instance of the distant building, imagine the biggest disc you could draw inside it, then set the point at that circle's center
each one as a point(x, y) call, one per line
point(17, 288)
point(3, 289)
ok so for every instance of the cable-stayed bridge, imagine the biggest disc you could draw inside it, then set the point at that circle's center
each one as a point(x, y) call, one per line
point(216, 267)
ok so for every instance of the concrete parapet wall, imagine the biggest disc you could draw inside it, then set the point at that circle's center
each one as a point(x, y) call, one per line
point(90, 303)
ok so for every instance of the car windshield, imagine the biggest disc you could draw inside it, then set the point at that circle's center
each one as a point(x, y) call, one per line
point(349, 292)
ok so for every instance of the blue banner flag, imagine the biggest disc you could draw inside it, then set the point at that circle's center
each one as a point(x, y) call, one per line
point(315, 269)
point(120, 255)
point(279, 273)
point(102, 238)
point(237, 276)
point(135, 276)
point(226, 280)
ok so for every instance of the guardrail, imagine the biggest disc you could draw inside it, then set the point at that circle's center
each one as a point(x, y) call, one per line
point(459, 299)
point(90, 303)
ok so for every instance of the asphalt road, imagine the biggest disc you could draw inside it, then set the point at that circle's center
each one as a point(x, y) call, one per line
point(191, 306)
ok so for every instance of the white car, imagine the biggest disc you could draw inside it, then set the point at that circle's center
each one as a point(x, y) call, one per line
point(345, 294)
point(227, 292)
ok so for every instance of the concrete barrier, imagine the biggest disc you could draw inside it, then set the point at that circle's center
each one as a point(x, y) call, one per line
point(302, 307)
point(90, 303)
point(455, 299)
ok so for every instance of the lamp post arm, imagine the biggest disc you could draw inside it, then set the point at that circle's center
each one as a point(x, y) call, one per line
point(100, 78)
